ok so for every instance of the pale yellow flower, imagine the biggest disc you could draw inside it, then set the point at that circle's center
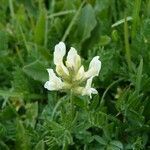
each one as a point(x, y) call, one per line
point(72, 75)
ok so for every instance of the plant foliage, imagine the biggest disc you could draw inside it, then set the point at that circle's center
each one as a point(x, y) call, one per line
point(118, 118)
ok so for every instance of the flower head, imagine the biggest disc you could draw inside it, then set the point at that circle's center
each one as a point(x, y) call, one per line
point(72, 75)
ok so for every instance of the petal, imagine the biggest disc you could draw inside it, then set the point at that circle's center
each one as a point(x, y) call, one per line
point(88, 83)
point(50, 86)
point(94, 91)
point(51, 73)
point(88, 90)
point(59, 53)
point(62, 70)
point(94, 67)
point(80, 73)
point(95, 62)
point(54, 82)
point(73, 59)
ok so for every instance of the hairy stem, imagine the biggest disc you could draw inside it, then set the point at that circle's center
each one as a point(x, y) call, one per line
point(72, 104)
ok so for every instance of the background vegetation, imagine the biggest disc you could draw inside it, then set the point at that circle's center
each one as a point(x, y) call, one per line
point(116, 30)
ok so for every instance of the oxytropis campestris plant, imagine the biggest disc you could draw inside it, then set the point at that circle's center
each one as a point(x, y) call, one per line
point(72, 75)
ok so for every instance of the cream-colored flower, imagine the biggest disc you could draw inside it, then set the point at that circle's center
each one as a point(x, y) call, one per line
point(54, 82)
point(72, 76)
point(88, 90)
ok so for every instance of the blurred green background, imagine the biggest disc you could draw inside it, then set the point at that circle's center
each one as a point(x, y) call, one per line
point(116, 30)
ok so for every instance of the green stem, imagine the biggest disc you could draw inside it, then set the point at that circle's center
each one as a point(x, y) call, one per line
point(46, 31)
point(136, 18)
point(56, 107)
point(127, 47)
point(61, 13)
point(72, 104)
point(65, 146)
point(52, 6)
point(11, 7)
point(112, 84)
point(24, 38)
point(19, 56)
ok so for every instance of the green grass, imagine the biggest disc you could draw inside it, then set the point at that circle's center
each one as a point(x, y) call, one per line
point(118, 118)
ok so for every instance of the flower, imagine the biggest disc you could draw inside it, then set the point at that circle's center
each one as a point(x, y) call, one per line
point(72, 75)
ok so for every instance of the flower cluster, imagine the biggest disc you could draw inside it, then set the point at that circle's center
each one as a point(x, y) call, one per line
point(72, 75)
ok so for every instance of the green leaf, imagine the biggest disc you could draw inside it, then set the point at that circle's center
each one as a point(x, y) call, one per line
point(2, 131)
point(3, 146)
point(32, 113)
point(4, 38)
point(22, 139)
point(45, 53)
point(139, 76)
point(40, 29)
point(86, 23)
point(37, 71)
point(8, 113)
point(100, 140)
point(40, 145)
point(104, 40)
point(112, 147)
point(79, 101)
point(117, 144)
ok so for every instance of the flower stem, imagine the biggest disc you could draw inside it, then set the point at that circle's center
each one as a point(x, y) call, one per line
point(107, 89)
point(127, 45)
point(72, 104)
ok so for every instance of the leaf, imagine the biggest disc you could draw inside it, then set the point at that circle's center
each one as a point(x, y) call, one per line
point(117, 144)
point(100, 140)
point(86, 23)
point(104, 40)
point(2, 131)
point(3, 146)
point(101, 5)
point(112, 147)
point(40, 145)
point(40, 29)
point(22, 139)
point(31, 114)
point(79, 101)
point(44, 52)
point(37, 71)
point(8, 113)
point(4, 38)
point(139, 76)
